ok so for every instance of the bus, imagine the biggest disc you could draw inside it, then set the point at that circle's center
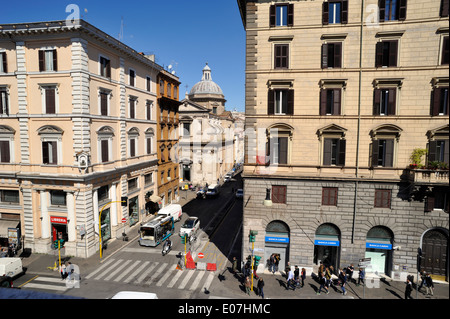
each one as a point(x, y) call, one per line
point(156, 231)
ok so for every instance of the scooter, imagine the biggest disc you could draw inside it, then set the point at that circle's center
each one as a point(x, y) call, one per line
point(167, 248)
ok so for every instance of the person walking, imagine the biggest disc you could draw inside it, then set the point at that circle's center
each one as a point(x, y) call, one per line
point(261, 287)
point(423, 275)
point(350, 270)
point(328, 277)
point(303, 275)
point(322, 282)
point(234, 266)
point(408, 289)
point(248, 285)
point(277, 262)
point(272, 263)
point(290, 280)
point(429, 285)
point(343, 281)
point(361, 276)
point(297, 276)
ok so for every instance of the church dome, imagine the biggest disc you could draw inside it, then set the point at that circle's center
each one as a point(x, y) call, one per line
point(206, 85)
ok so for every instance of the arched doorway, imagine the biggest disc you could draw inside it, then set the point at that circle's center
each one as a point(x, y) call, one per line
point(327, 244)
point(277, 242)
point(434, 250)
point(379, 249)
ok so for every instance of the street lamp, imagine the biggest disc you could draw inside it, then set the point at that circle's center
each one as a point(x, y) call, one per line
point(268, 201)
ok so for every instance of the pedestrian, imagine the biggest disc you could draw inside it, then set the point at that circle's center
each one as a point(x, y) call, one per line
point(277, 262)
point(261, 288)
point(429, 284)
point(321, 268)
point(322, 282)
point(247, 285)
point(303, 275)
point(272, 263)
point(361, 276)
point(423, 274)
point(234, 266)
point(328, 277)
point(297, 276)
point(63, 271)
point(408, 289)
point(343, 281)
point(290, 280)
point(246, 270)
point(350, 270)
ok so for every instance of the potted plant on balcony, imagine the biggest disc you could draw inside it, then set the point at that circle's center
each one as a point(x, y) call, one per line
point(416, 158)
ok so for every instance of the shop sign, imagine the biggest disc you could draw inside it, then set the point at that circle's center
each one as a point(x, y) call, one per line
point(379, 246)
point(58, 220)
point(270, 239)
point(320, 242)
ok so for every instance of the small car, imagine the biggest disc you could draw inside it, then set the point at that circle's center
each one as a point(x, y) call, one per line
point(240, 193)
point(6, 282)
point(190, 227)
point(227, 177)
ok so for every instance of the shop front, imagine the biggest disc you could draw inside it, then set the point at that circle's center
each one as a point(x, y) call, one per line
point(9, 235)
point(327, 246)
point(59, 228)
point(133, 210)
point(277, 240)
point(379, 250)
point(105, 222)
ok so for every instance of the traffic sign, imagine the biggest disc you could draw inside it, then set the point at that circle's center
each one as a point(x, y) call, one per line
point(124, 220)
point(201, 255)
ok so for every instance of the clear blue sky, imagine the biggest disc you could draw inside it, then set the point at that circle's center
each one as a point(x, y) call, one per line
point(185, 34)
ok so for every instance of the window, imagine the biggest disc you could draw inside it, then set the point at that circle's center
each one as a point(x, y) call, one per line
point(148, 179)
point(444, 8)
point(5, 152)
point(383, 153)
point(162, 177)
point(282, 15)
point(48, 60)
point(148, 141)
point(50, 153)
point(9, 196)
point(382, 198)
point(105, 138)
point(58, 198)
point(281, 56)
point(386, 53)
point(4, 103)
point(50, 100)
point(3, 63)
point(149, 110)
point(169, 90)
point(440, 100)
point(104, 103)
point(186, 129)
point(438, 200)
point(132, 74)
point(331, 55)
point(161, 87)
point(103, 193)
point(279, 150)
point(149, 84)
point(133, 147)
point(330, 102)
point(105, 67)
point(329, 196)
point(279, 194)
point(334, 151)
point(132, 184)
point(445, 53)
point(281, 102)
point(391, 10)
point(175, 92)
point(385, 100)
point(335, 12)
point(438, 151)
point(104, 151)
point(132, 104)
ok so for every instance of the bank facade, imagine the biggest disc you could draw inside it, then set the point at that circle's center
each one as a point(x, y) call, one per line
point(337, 105)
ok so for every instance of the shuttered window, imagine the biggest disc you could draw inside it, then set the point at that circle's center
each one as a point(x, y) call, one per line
point(105, 151)
point(383, 198)
point(48, 60)
point(49, 153)
point(5, 155)
point(330, 102)
point(281, 56)
point(332, 55)
point(279, 194)
point(391, 10)
point(132, 147)
point(132, 108)
point(334, 152)
point(445, 51)
point(386, 53)
point(440, 99)
point(383, 153)
point(3, 63)
point(132, 77)
point(438, 151)
point(281, 15)
point(329, 196)
point(444, 8)
point(279, 152)
point(50, 101)
point(105, 67)
point(104, 103)
point(335, 12)
point(4, 107)
point(385, 101)
point(280, 102)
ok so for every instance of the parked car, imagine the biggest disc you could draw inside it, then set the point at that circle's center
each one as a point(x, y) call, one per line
point(134, 295)
point(227, 177)
point(240, 193)
point(213, 190)
point(6, 282)
point(190, 227)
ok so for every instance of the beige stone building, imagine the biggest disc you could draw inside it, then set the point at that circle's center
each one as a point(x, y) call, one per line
point(77, 133)
point(336, 104)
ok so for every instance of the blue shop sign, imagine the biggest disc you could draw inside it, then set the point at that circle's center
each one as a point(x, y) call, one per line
point(319, 242)
point(270, 239)
point(379, 246)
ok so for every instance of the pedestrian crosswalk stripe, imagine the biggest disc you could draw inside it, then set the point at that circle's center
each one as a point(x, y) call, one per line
point(134, 274)
point(175, 278)
point(49, 279)
point(145, 273)
point(100, 268)
point(45, 287)
point(208, 281)
point(156, 274)
point(166, 275)
point(115, 272)
point(197, 280)
point(186, 279)
point(109, 269)
point(126, 271)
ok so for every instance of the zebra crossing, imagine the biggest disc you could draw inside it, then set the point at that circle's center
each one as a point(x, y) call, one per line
point(49, 284)
point(149, 273)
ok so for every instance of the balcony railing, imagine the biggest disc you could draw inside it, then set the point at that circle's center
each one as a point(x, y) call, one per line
point(428, 176)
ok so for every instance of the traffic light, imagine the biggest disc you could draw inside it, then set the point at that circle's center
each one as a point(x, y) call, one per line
point(252, 236)
point(184, 239)
point(124, 201)
point(61, 243)
point(257, 259)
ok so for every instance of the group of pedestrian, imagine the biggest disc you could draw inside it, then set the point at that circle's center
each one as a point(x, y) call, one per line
point(427, 281)
point(273, 262)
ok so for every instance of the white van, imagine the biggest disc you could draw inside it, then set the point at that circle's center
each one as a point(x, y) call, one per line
point(213, 190)
point(11, 267)
point(173, 210)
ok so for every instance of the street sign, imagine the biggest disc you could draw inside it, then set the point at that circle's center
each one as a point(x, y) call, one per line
point(201, 255)
point(124, 220)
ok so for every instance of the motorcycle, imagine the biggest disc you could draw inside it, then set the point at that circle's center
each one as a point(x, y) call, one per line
point(167, 247)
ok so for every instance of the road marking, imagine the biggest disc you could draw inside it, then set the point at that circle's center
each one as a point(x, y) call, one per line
point(175, 278)
point(136, 272)
point(28, 281)
point(50, 279)
point(46, 287)
point(164, 278)
point(122, 275)
point(108, 269)
point(208, 281)
point(146, 273)
point(117, 270)
point(186, 279)
point(92, 274)
point(197, 280)
point(157, 273)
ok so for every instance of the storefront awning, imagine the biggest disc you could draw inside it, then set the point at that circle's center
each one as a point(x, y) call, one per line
point(5, 224)
point(155, 199)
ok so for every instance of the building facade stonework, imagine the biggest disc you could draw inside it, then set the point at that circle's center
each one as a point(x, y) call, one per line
point(338, 104)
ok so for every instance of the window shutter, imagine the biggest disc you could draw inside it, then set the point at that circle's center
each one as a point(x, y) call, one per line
point(132, 147)
point(445, 53)
point(149, 146)
point(342, 150)
point(382, 6)
point(337, 102)
point(5, 152)
point(277, 56)
point(379, 55)
point(446, 146)
point(435, 104)
point(324, 56)
point(290, 106)
point(432, 151)
point(50, 106)
point(132, 109)
point(393, 53)
point(337, 55)
point(402, 10)
point(105, 151)
point(429, 204)
point(375, 146)
point(325, 17)
point(323, 102)
point(272, 15)
point(45, 157)
point(5, 65)
point(392, 101)
point(54, 153)
point(41, 61)
point(389, 160)
point(108, 68)
point(444, 9)
point(327, 143)
point(376, 101)
point(290, 15)
point(344, 19)
point(285, 56)
point(271, 103)
point(55, 61)
point(283, 150)
point(104, 104)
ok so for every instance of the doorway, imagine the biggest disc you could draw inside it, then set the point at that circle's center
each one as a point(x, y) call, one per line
point(434, 249)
